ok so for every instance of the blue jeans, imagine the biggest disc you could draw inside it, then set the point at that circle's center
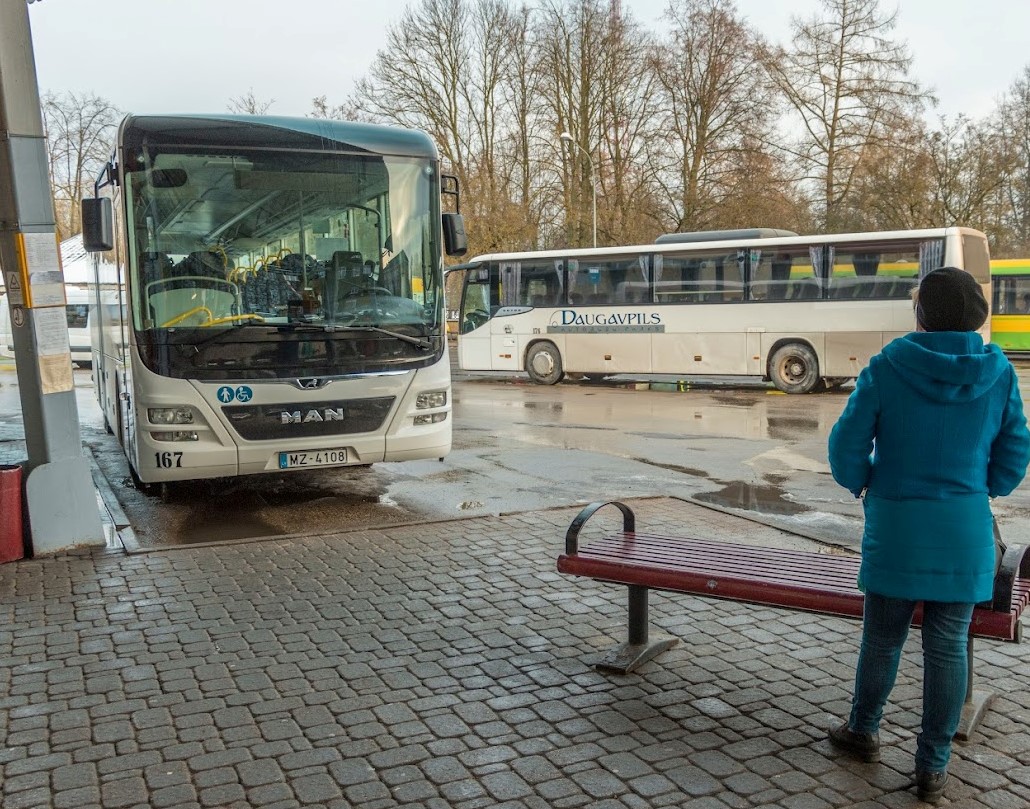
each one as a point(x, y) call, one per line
point(945, 638)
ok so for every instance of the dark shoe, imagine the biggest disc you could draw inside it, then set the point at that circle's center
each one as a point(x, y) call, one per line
point(930, 785)
point(864, 746)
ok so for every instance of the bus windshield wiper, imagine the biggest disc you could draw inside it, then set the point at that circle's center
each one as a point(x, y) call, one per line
point(221, 332)
point(420, 342)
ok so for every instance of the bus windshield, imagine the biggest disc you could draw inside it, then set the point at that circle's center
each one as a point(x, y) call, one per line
point(299, 241)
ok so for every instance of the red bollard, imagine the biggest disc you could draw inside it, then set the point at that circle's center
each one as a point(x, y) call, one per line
point(12, 543)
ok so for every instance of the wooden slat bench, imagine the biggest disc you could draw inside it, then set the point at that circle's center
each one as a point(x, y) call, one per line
point(776, 577)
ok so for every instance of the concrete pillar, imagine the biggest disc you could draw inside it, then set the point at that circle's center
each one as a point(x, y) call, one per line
point(61, 497)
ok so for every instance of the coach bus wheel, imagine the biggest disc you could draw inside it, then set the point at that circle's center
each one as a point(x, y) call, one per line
point(543, 362)
point(794, 368)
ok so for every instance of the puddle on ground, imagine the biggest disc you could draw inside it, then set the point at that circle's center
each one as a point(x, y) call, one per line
point(763, 499)
point(792, 428)
point(552, 406)
point(686, 470)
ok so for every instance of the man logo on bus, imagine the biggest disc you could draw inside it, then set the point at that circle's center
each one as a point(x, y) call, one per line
point(571, 317)
point(326, 414)
point(226, 394)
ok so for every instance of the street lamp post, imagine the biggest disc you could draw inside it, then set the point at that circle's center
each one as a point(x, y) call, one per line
point(565, 136)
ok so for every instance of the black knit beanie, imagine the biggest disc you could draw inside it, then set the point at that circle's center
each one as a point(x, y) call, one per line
point(950, 300)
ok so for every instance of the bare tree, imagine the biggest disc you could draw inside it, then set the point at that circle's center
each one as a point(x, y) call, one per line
point(419, 78)
point(80, 130)
point(630, 207)
point(593, 84)
point(970, 162)
point(462, 70)
point(894, 183)
point(250, 104)
point(714, 105)
point(848, 84)
point(1014, 115)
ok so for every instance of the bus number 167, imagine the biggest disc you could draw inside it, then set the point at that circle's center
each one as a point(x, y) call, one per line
point(166, 460)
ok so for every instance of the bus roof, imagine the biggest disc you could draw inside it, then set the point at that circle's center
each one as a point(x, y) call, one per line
point(290, 133)
point(730, 244)
point(723, 235)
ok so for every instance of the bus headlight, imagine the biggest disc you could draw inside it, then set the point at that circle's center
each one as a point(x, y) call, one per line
point(433, 398)
point(176, 435)
point(170, 415)
point(430, 418)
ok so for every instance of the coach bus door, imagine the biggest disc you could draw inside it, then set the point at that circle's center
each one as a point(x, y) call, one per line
point(474, 323)
point(504, 337)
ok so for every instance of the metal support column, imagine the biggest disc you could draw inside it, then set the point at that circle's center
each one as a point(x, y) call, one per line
point(641, 644)
point(61, 498)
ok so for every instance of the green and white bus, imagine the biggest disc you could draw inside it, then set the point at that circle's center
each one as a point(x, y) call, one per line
point(806, 312)
point(279, 298)
point(1010, 307)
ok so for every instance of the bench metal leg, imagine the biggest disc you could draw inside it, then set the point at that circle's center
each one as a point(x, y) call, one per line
point(640, 646)
point(977, 701)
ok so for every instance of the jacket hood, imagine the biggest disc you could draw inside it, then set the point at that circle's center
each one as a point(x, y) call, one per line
point(947, 366)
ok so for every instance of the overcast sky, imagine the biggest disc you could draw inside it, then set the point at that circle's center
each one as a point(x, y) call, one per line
point(195, 55)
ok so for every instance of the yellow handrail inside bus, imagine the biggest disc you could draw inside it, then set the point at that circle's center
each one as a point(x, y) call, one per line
point(211, 319)
point(182, 316)
point(217, 321)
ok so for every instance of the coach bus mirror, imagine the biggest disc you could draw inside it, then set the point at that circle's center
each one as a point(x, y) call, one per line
point(455, 242)
point(168, 178)
point(97, 225)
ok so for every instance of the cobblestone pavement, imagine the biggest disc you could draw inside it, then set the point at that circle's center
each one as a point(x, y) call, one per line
point(443, 665)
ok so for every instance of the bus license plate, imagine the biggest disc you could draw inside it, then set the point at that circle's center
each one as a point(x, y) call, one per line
point(312, 457)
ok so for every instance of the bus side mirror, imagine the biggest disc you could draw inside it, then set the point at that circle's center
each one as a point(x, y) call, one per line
point(454, 240)
point(97, 225)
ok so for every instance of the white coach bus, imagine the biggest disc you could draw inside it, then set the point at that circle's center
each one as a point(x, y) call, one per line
point(279, 298)
point(806, 312)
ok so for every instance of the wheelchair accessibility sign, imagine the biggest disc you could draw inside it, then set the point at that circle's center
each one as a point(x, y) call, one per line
point(243, 394)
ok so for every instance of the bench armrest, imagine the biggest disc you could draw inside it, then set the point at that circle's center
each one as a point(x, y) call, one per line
point(1015, 562)
point(629, 522)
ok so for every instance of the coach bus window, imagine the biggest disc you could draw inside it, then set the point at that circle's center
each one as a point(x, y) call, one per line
point(1011, 295)
point(476, 305)
point(701, 277)
point(875, 270)
point(606, 280)
point(540, 283)
point(784, 274)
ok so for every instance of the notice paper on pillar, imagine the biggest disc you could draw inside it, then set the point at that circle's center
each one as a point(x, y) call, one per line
point(41, 269)
point(53, 353)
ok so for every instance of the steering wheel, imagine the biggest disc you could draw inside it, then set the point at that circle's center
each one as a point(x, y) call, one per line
point(477, 317)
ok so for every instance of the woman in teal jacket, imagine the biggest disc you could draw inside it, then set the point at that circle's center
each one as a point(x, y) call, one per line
point(933, 430)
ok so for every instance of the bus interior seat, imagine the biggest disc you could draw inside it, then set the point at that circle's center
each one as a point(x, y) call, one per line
point(806, 289)
point(206, 263)
point(843, 288)
point(156, 267)
point(630, 292)
point(342, 275)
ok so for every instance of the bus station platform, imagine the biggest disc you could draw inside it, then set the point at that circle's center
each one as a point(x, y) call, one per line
point(445, 664)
